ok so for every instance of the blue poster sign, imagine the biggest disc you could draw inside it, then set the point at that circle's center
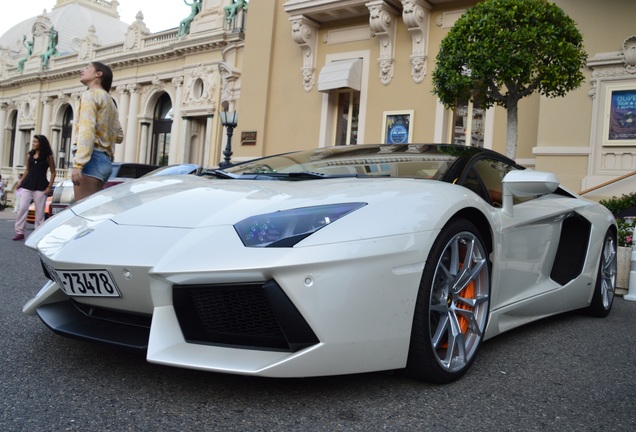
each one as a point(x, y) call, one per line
point(622, 122)
point(398, 134)
point(397, 128)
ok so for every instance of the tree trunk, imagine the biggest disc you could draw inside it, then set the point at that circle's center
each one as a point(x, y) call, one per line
point(512, 129)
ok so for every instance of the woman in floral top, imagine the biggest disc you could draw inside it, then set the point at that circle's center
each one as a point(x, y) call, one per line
point(95, 132)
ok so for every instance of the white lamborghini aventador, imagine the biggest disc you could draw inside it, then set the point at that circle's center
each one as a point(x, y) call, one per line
point(332, 261)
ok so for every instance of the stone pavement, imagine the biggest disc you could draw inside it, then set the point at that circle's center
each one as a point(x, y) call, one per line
point(7, 214)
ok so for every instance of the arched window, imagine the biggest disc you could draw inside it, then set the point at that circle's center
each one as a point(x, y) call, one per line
point(161, 126)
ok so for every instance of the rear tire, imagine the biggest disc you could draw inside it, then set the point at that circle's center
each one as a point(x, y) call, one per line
point(451, 311)
point(605, 286)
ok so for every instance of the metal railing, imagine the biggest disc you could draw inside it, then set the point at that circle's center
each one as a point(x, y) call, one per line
point(608, 183)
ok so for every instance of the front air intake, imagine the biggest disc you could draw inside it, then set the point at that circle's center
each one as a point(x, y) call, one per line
point(252, 315)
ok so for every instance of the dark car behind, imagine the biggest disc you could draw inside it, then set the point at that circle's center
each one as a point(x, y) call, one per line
point(64, 194)
point(178, 169)
point(126, 171)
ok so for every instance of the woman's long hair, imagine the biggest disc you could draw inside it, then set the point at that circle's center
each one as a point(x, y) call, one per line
point(107, 75)
point(44, 147)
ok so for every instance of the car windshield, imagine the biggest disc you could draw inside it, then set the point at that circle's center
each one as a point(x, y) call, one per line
point(408, 161)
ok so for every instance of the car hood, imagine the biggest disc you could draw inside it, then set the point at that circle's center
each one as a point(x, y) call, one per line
point(190, 202)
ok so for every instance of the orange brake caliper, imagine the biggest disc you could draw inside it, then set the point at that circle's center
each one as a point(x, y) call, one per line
point(468, 292)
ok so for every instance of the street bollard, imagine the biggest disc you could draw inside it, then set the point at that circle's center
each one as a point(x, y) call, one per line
point(631, 294)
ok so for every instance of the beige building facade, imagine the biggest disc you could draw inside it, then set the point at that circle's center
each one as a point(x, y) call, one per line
point(168, 85)
point(311, 73)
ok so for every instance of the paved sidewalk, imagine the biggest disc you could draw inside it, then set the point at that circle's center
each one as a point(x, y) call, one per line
point(7, 214)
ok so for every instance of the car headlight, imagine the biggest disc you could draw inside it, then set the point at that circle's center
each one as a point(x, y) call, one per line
point(288, 227)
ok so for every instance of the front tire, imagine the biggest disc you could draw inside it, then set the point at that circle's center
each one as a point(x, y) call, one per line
point(452, 306)
point(605, 286)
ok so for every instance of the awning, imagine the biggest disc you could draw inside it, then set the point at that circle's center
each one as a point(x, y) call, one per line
point(340, 74)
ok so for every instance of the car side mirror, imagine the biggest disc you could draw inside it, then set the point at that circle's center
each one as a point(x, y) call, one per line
point(523, 183)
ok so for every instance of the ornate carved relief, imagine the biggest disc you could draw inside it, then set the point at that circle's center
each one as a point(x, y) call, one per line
point(618, 161)
point(88, 43)
point(40, 31)
point(27, 109)
point(615, 64)
point(8, 106)
point(157, 84)
point(135, 32)
point(148, 91)
point(200, 86)
point(382, 21)
point(629, 54)
point(134, 88)
point(448, 19)
point(593, 90)
point(610, 72)
point(121, 90)
point(229, 76)
point(5, 61)
point(305, 34)
point(416, 15)
point(58, 104)
point(177, 81)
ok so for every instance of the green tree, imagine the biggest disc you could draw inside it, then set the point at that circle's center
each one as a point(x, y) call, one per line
point(501, 51)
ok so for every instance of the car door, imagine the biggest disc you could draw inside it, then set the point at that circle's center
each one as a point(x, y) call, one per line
point(525, 243)
point(528, 244)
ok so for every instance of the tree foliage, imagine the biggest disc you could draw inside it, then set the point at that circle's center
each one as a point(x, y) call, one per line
point(501, 51)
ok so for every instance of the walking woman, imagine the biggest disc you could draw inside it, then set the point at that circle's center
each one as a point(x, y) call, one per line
point(95, 132)
point(34, 184)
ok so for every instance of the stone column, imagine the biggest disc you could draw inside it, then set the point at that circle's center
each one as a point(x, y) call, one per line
point(74, 102)
point(18, 148)
point(3, 131)
point(25, 138)
point(55, 137)
point(46, 117)
point(207, 142)
point(185, 140)
point(124, 102)
point(55, 144)
point(75, 99)
point(176, 122)
point(143, 142)
point(132, 128)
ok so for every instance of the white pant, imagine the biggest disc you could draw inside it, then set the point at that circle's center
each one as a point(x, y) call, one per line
point(26, 196)
point(16, 205)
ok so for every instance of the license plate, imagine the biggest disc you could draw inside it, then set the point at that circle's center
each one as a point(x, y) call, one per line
point(86, 283)
point(56, 210)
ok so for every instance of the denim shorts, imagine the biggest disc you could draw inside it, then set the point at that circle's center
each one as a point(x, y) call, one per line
point(99, 166)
